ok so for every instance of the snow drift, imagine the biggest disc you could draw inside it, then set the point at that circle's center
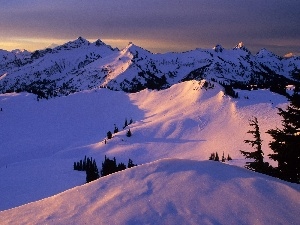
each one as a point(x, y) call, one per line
point(169, 191)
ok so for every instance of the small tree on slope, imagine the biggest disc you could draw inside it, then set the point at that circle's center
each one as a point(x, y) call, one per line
point(129, 134)
point(258, 164)
point(217, 157)
point(286, 144)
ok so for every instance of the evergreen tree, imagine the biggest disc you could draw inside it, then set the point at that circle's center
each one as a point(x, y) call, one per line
point(116, 130)
point(121, 166)
point(130, 164)
point(109, 135)
point(212, 156)
point(108, 166)
point(84, 163)
point(129, 134)
point(217, 157)
point(286, 144)
point(92, 172)
point(80, 165)
point(125, 124)
point(258, 164)
point(223, 157)
point(229, 158)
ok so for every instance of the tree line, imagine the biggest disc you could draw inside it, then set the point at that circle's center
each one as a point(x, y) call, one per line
point(109, 166)
point(215, 157)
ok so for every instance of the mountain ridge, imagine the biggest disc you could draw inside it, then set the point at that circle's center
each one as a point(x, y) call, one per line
point(81, 65)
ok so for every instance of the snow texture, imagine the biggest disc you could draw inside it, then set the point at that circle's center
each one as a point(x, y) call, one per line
point(169, 191)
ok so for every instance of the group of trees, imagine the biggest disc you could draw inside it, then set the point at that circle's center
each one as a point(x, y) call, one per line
point(215, 157)
point(285, 145)
point(116, 129)
point(109, 166)
point(89, 166)
point(228, 90)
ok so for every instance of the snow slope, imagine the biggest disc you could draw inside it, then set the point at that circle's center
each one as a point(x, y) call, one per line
point(169, 191)
point(40, 140)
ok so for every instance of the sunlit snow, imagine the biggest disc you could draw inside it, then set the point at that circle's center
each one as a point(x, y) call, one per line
point(40, 140)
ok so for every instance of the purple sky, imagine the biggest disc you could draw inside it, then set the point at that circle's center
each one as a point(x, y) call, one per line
point(157, 25)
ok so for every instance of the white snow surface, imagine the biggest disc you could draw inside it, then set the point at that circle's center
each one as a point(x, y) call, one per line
point(40, 140)
point(169, 191)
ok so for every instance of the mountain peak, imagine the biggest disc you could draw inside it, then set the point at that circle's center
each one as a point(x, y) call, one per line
point(218, 48)
point(20, 51)
point(80, 41)
point(265, 53)
point(241, 46)
point(131, 47)
point(99, 43)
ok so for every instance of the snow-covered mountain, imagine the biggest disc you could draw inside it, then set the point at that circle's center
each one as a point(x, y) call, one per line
point(174, 131)
point(81, 65)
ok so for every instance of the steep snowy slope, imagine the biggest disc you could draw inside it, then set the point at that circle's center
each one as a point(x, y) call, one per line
point(169, 191)
point(40, 140)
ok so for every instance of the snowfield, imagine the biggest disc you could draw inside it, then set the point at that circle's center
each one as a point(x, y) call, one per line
point(169, 191)
point(174, 131)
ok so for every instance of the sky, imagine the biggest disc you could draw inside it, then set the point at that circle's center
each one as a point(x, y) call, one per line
point(159, 26)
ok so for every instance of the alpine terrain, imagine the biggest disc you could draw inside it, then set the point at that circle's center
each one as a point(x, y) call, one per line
point(71, 107)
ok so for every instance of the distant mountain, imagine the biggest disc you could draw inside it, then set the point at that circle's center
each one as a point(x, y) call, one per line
point(81, 65)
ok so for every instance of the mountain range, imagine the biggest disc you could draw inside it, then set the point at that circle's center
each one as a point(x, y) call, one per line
point(80, 65)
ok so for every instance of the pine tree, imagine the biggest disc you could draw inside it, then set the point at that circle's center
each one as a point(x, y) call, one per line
point(108, 166)
point(92, 172)
point(121, 166)
point(258, 164)
point(229, 158)
point(116, 130)
point(286, 144)
point(75, 166)
point(80, 166)
point(223, 157)
point(109, 135)
point(212, 156)
point(125, 124)
point(84, 163)
point(217, 157)
point(129, 134)
point(130, 164)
